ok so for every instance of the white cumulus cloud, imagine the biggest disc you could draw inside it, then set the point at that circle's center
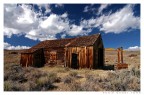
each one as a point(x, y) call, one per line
point(90, 8)
point(118, 22)
point(10, 47)
point(59, 5)
point(133, 48)
point(86, 9)
point(24, 20)
point(102, 7)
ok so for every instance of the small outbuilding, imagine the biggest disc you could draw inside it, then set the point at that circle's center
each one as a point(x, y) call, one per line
point(32, 57)
point(80, 52)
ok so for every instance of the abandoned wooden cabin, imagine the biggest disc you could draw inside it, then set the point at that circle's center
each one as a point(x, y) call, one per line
point(80, 52)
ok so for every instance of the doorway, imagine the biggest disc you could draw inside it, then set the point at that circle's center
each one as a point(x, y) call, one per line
point(39, 59)
point(74, 61)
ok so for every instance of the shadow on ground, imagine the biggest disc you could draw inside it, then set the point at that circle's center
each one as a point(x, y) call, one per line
point(108, 67)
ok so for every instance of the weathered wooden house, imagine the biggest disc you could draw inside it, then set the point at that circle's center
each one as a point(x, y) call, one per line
point(80, 52)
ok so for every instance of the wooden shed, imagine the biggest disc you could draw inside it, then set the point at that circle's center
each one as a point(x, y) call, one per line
point(80, 52)
point(85, 52)
point(32, 57)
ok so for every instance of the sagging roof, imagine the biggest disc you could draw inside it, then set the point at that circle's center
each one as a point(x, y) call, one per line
point(67, 42)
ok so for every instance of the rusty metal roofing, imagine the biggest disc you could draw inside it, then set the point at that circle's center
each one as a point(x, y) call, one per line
point(69, 42)
point(84, 41)
point(58, 43)
point(31, 50)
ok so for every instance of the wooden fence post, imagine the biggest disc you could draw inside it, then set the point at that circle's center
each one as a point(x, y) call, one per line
point(118, 55)
point(121, 55)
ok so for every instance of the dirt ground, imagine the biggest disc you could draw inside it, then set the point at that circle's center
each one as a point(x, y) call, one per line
point(130, 57)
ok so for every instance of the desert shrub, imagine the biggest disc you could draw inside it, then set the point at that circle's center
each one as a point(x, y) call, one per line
point(67, 69)
point(61, 70)
point(17, 87)
point(14, 72)
point(57, 80)
point(123, 79)
point(68, 79)
point(135, 72)
point(17, 78)
point(95, 82)
point(31, 73)
point(111, 74)
point(132, 55)
point(43, 83)
point(33, 85)
point(52, 76)
point(117, 85)
point(8, 85)
point(24, 86)
point(134, 84)
point(75, 86)
point(90, 86)
point(73, 73)
point(89, 77)
point(12, 86)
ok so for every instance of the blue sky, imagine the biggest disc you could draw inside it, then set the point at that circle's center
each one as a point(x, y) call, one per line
point(26, 25)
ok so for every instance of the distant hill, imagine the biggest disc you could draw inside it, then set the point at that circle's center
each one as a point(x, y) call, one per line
point(110, 49)
point(14, 51)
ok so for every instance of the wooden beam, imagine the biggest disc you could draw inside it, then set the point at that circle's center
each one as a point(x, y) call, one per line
point(118, 55)
point(121, 55)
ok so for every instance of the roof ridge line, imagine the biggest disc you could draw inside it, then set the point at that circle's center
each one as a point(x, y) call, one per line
point(99, 34)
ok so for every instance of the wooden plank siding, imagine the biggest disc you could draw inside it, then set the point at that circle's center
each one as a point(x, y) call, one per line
point(35, 59)
point(90, 57)
point(26, 60)
point(98, 45)
point(80, 52)
point(60, 52)
point(84, 56)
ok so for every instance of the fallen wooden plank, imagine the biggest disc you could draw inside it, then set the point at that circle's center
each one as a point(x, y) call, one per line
point(120, 66)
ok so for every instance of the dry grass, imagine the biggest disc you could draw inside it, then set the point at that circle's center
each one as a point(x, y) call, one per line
point(17, 78)
point(59, 78)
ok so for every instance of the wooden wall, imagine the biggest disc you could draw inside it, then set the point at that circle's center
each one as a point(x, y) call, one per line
point(84, 56)
point(26, 59)
point(73, 57)
point(87, 56)
point(59, 55)
point(98, 53)
point(35, 59)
